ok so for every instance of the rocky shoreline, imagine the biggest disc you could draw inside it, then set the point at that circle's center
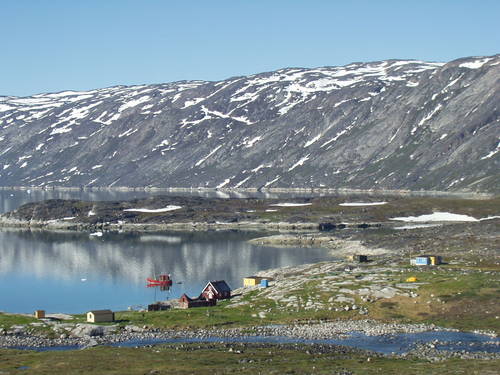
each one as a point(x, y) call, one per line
point(81, 336)
point(263, 190)
point(337, 246)
point(174, 226)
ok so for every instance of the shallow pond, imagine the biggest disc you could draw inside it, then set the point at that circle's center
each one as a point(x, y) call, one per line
point(396, 343)
point(385, 344)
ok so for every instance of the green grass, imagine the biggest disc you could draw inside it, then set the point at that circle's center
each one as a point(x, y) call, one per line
point(9, 320)
point(449, 299)
point(220, 317)
point(218, 359)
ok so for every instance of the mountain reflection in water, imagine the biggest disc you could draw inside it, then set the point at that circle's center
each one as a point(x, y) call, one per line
point(73, 272)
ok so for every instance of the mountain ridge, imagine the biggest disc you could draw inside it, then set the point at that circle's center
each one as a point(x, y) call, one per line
point(394, 124)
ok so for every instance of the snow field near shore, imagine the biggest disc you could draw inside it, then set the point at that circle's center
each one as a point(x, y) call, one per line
point(154, 210)
point(442, 216)
point(361, 204)
point(290, 204)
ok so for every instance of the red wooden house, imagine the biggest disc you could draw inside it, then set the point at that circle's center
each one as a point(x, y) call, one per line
point(185, 302)
point(215, 290)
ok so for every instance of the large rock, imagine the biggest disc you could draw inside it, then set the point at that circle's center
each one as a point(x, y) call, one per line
point(91, 330)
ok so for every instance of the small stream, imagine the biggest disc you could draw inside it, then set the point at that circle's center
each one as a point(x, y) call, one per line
point(385, 344)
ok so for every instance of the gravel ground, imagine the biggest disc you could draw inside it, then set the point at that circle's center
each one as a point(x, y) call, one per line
point(86, 335)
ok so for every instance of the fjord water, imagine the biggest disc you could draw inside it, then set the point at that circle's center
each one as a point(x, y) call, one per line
point(73, 272)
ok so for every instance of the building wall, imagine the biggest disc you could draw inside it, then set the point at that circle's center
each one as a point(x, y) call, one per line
point(422, 261)
point(100, 318)
point(250, 281)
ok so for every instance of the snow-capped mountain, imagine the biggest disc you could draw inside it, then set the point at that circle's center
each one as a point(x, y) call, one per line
point(392, 124)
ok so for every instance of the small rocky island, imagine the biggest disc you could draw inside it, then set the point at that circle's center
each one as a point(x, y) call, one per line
point(186, 213)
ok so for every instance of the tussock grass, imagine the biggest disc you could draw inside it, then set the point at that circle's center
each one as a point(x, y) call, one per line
point(218, 359)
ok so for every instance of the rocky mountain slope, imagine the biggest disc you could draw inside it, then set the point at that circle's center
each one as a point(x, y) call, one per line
point(381, 125)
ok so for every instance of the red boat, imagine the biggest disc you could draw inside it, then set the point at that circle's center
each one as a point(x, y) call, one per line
point(162, 280)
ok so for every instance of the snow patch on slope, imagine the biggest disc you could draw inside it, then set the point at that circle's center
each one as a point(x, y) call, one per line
point(361, 204)
point(300, 162)
point(201, 161)
point(476, 64)
point(154, 210)
point(133, 103)
point(492, 153)
point(437, 216)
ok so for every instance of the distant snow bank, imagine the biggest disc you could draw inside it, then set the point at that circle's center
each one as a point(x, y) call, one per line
point(489, 218)
point(417, 226)
point(437, 216)
point(290, 204)
point(359, 204)
point(154, 211)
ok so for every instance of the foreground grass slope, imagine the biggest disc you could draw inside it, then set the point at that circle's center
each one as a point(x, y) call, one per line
point(228, 359)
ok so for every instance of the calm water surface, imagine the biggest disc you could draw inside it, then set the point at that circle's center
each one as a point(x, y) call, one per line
point(74, 272)
point(396, 343)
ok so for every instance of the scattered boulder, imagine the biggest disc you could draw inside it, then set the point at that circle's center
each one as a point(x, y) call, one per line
point(135, 329)
point(91, 330)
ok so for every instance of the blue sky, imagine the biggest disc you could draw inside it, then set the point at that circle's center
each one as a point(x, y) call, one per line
point(56, 45)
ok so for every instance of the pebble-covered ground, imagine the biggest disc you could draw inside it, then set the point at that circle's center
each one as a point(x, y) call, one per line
point(88, 335)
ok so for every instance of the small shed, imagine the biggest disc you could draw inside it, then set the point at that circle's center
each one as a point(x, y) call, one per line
point(358, 258)
point(325, 227)
point(427, 260)
point(435, 260)
point(216, 290)
point(158, 306)
point(264, 283)
point(422, 260)
point(252, 280)
point(97, 316)
point(186, 302)
point(39, 314)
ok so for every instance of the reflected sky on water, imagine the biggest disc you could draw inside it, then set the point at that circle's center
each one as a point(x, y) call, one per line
point(74, 272)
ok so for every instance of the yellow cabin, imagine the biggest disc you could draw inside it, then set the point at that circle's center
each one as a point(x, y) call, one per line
point(411, 279)
point(252, 280)
point(435, 260)
point(39, 314)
